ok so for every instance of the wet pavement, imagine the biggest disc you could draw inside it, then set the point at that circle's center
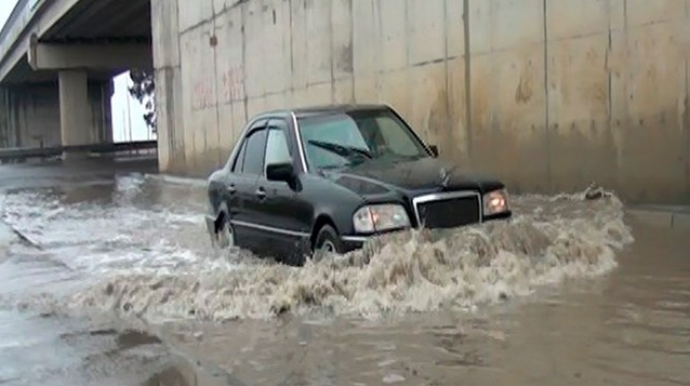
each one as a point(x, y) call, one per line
point(107, 277)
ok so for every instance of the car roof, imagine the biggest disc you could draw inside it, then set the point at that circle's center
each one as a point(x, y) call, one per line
point(307, 111)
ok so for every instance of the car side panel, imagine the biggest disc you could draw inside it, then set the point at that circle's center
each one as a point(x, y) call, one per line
point(241, 206)
point(285, 218)
point(237, 189)
point(283, 214)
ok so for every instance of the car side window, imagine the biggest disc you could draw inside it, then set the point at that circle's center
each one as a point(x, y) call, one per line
point(254, 152)
point(239, 160)
point(237, 164)
point(277, 145)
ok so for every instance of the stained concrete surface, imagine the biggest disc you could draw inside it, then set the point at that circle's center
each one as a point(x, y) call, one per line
point(548, 95)
point(674, 217)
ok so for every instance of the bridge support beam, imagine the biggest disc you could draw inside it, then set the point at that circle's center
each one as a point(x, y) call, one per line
point(75, 111)
point(112, 57)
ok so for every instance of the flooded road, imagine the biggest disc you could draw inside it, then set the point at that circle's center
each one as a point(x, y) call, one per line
point(569, 292)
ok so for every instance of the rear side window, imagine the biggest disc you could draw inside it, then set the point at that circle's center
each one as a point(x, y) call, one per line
point(239, 161)
point(255, 145)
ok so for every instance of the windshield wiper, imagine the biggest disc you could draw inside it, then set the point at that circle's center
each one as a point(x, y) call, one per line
point(341, 150)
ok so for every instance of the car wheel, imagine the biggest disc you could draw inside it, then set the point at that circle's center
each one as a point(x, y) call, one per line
point(226, 235)
point(327, 242)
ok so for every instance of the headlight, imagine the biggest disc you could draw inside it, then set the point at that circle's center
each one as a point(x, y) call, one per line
point(376, 218)
point(495, 202)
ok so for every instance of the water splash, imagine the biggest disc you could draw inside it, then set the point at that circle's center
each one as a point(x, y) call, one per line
point(7, 238)
point(549, 241)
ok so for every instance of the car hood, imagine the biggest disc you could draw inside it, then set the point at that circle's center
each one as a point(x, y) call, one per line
point(420, 175)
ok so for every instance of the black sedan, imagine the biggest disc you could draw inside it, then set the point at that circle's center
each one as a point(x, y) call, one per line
point(328, 178)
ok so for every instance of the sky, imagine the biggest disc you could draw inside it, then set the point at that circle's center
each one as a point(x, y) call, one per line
point(127, 112)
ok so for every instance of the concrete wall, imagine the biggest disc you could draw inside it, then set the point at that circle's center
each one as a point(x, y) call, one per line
point(547, 94)
point(30, 114)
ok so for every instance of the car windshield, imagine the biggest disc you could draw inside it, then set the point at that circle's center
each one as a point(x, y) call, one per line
point(350, 138)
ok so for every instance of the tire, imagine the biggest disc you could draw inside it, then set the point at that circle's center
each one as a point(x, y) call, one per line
point(327, 241)
point(225, 238)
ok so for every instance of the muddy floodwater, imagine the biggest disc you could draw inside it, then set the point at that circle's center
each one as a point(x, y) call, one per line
point(110, 279)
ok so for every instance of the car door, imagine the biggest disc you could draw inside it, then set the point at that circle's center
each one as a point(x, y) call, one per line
point(283, 212)
point(241, 195)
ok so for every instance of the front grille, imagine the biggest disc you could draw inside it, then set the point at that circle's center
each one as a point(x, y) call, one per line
point(448, 211)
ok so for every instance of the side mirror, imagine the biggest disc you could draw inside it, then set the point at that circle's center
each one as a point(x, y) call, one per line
point(280, 172)
point(434, 150)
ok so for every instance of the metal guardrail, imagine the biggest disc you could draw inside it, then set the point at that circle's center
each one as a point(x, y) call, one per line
point(17, 25)
point(14, 154)
point(18, 9)
point(21, 10)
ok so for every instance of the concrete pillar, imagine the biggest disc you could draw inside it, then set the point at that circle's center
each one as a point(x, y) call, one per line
point(108, 90)
point(6, 126)
point(169, 92)
point(75, 110)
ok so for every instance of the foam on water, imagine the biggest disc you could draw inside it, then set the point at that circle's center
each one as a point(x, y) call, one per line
point(7, 237)
point(145, 252)
point(548, 241)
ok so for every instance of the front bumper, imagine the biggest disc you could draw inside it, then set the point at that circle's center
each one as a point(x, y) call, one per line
point(351, 243)
point(499, 216)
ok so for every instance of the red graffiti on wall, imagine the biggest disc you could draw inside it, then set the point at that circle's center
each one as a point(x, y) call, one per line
point(202, 94)
point(231, 88)
point(232, 80)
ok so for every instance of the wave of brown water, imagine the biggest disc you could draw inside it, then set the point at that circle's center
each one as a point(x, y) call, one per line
point(548, 241)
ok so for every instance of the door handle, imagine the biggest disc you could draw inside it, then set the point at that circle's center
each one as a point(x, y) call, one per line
point(231, 188)
point(261, 193)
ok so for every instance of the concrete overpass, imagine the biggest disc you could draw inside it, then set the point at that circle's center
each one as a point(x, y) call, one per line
point(57, 60)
